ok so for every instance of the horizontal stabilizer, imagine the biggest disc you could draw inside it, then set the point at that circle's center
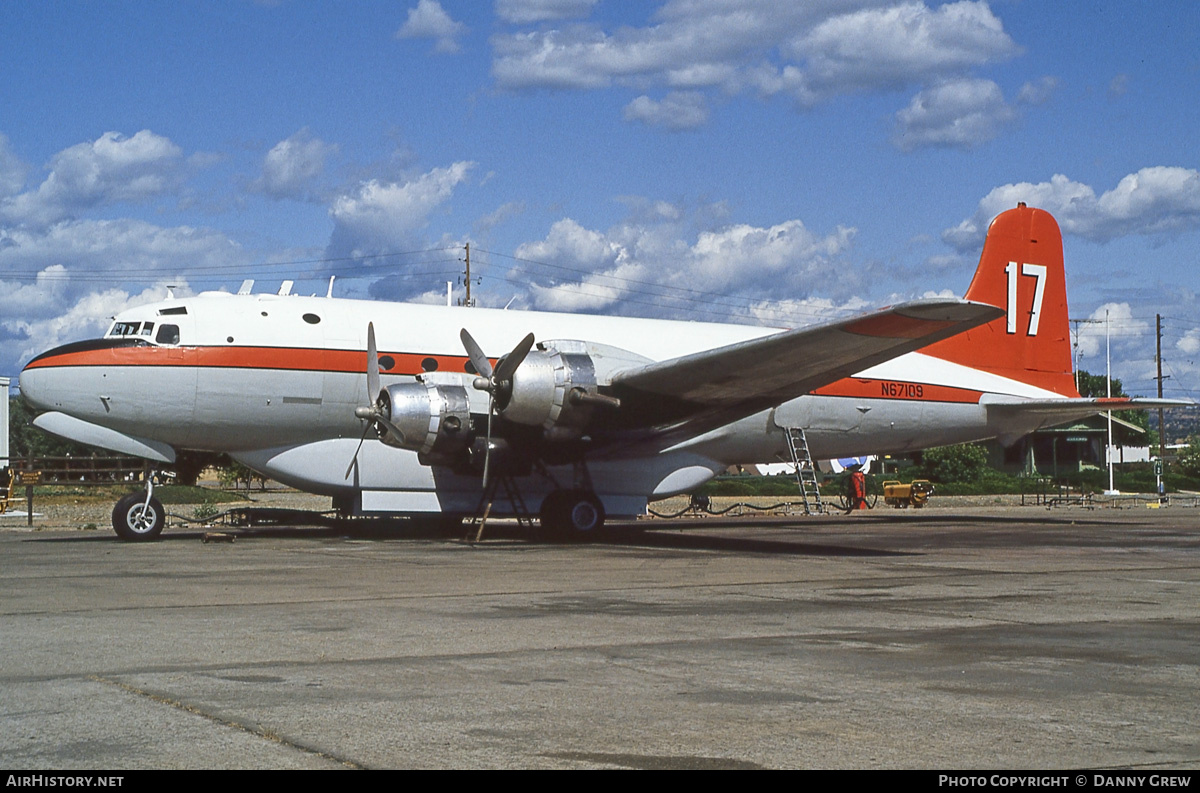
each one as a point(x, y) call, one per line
point(1060, 411)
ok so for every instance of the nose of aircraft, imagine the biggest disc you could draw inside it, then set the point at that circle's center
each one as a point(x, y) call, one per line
point(37, 385)
point(49, 381)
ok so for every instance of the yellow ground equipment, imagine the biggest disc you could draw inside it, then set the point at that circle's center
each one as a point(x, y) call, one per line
point(901, 496)
point(6, 489)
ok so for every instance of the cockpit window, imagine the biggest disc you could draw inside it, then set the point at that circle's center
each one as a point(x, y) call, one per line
point(147, 328)
point(124, 329)
point(167, 334)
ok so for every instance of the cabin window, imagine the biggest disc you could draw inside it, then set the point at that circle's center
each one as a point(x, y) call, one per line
point(172, 310)
point(311, 319)
point(387, 363)
point(167, 334)
point(429, 364)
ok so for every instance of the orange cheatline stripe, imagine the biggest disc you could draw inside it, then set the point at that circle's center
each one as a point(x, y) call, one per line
point(899, 390)
point(277, 358)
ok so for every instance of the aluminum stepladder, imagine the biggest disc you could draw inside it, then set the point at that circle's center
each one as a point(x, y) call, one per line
point(806, 472)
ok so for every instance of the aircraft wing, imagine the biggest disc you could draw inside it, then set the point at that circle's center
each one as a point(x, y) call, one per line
point(705, 389)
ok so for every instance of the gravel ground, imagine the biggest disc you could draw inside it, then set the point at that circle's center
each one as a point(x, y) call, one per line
point(87, 515)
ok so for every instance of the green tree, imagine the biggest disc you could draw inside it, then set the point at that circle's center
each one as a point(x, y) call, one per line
point(1094, 386)
point(963, 463)
point(25, 439)
point(232, 474)
point(1189, 457)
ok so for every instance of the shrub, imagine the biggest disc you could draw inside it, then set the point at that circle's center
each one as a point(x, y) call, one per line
point(964, 463)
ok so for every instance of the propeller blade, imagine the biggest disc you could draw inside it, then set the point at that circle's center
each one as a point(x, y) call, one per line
point(480, 361)
point(487, 445)
point(509, 363)
point(372, 412)
point(354, 459)
point(372, 365)
point(490, 380)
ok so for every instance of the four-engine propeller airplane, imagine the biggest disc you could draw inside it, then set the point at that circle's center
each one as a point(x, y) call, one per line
point(590, 415)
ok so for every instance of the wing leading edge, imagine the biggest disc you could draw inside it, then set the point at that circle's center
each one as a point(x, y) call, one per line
point(699, 391)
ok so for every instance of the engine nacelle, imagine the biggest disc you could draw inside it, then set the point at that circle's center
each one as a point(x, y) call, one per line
point(547, 388)
point(435, 419)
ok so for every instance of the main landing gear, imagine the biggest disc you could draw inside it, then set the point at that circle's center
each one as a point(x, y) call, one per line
point(139, 516)
point(567, 513)
point(573, 513)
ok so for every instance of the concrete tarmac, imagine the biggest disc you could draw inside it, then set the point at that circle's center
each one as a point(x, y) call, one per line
point(1003, 638)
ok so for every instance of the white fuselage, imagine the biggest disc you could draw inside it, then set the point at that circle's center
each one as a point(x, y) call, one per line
point(275, 380)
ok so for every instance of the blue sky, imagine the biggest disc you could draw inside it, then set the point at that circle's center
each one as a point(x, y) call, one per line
point(722, 160)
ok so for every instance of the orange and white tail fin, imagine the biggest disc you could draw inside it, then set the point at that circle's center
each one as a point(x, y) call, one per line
point(1021, 271)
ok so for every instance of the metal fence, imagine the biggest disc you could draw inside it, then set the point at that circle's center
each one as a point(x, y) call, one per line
point(77, 470)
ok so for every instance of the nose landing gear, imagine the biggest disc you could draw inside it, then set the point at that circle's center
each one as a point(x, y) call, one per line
point(139, 516)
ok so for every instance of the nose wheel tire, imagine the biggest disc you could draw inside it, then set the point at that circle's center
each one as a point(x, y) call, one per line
point(572, 513)
point(136, 521)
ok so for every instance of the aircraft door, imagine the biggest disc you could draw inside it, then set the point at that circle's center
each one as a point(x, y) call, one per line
point(167, 400)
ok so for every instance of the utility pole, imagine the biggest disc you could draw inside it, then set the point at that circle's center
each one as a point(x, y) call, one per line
point(467, 278)
point(1075, 363)
point(1159, 470)
point(1112, 490)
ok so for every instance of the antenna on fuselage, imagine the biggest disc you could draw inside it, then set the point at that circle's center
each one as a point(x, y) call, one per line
point(246, 286)
point(329, 292)
point(170, 291)
point(285, 288)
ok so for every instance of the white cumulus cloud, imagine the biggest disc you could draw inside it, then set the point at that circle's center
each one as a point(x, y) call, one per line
point(377, 216)
point(810, 52)
point(646, 266)
point(12, 170)
point(677, 110)
point(957, 114)
point(1154, 201)
point(293, 165)
point(523, 12)
point(111, 169)
point(1115, 324)
point(430, 21)
point(900, 44)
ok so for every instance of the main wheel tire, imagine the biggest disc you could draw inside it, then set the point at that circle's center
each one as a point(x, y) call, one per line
point(134, 521)
point(572, 514)
point(584, 514)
